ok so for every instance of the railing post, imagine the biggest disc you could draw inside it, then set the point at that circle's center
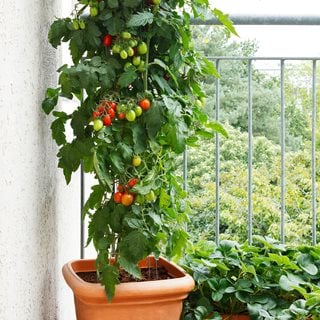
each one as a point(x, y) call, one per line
point(217, 226)
point(250, 142)
point(82, 195)
point(313, 153)
point(283, 146)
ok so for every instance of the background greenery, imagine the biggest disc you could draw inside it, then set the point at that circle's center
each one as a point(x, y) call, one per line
point(266, 148)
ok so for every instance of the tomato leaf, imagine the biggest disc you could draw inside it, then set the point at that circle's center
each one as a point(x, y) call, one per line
point(127, 77)
point(133, 246)
point(58, 130)
point(59, 32)
point(109, 277)
point(95, 198)
point(51, 100)
point(140, 19)
point(224, 19)
point(133, 269)
point(139, 138)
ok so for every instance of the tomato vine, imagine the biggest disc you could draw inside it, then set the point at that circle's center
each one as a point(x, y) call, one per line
point(137, 80)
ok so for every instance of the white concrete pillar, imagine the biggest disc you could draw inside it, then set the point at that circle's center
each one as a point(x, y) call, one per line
point(39, 214)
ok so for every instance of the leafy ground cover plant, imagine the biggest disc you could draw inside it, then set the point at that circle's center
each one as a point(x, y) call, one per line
point(266, 280)
point(135, 77)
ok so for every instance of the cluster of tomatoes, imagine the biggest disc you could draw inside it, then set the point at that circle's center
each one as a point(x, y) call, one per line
point(107, 111)
point(104, 114)
point(123, 194)
point(127, 47)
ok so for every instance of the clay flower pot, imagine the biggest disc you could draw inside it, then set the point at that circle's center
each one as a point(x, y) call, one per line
point(157, 300)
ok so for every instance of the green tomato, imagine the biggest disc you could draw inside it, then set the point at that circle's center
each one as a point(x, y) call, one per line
point(156, 2)
point(94, 11)
point(132, 43)
point(136, 161)
point(127, 65)
point(82, 24)
point(130, 52)
point(97, 124)
point(138, 111)
point(126, 35)
point(136, 60)
point(75, 25)
point(116, 48)
point(141, 66)
point(142, 48)
point(123, 54)
point(130, 115)
point(198, 103)
point(139, 199)
point(151, 197)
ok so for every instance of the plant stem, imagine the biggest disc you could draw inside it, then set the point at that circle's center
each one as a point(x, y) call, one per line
point(145, 74)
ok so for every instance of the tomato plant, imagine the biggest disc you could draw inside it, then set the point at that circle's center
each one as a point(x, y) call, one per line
point(120, 54)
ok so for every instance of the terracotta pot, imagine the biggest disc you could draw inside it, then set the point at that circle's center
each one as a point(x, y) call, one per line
point(156, 300)
point(235, 316)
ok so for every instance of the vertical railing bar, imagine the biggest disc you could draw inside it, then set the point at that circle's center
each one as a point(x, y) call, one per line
point(283, 172)
point(185, 169)
point(217, 213)
point(82, 195)
point(250, 205)
point(313, 154)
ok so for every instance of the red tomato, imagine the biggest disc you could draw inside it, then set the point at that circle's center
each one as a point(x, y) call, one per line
point(132, 182)
point(100, 109)
point(120, 188)
point(107, 40)
point(127, 199)
point(144, 104)
point(117, 197)
point(121, 115)
point(107, 120)
point(111, 113)
point(95, 114)
point(114, 106)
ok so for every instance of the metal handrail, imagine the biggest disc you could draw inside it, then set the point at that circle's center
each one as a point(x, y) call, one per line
point(275, 20)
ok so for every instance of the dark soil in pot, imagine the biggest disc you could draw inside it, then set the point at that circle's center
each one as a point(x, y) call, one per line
point(151, 274)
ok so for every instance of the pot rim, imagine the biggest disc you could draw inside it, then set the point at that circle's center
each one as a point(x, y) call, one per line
point(183, 283)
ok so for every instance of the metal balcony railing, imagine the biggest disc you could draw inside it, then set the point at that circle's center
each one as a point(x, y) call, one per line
point(256, 20)
point(282, 61)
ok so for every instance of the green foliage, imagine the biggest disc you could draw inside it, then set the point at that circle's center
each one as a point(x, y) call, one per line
point(124, 52)
point(266, 280)
point(233, 190)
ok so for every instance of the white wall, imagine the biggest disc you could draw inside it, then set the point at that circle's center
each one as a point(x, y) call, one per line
point(39, 215)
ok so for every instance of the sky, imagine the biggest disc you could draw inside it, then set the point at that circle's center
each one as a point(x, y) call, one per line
point(303, 41)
